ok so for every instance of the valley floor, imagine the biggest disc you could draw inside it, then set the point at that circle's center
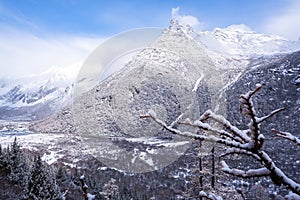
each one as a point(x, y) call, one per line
point(53, 147)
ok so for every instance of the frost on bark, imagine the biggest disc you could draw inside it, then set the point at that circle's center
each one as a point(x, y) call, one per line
point(242, 142)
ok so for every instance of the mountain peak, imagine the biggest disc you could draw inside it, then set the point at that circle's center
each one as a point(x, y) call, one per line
point(240, 40)
point(240, 28)
point(177, 27)
point(235, 40)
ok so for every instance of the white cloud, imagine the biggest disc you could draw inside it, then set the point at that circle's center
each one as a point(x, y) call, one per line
point(22, 53)
point(286, 24)
point(187, 19)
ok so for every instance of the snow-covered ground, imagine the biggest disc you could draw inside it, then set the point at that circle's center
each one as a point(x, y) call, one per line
point(53, 148)
point(68, 149)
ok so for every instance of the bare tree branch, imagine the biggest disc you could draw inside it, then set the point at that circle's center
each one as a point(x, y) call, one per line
point(224, 122)
point(84, 188)
point(247, 108)
point(231, 151)
point(288, 136)
point(245, 174)
point(197, 136)
point(205, 126)
point(262, 119)
point(277, 175)
point(249, 94)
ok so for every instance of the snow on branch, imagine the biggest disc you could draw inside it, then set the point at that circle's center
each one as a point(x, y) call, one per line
point(176, 121)
point(194, 135)
point(262, 119)
point(292, 196)
point(245, 174)
point(277, 175)
point(249, 94)
point(288, 136)
point(244, 142)
point(225, 123)
point(247, 108)
point(230, 151)
point(210, 196)
point(205, 126)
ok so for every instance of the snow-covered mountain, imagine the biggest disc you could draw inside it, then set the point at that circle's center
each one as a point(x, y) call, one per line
point(230, 50)
point(241, 41)
point(36, 96)
point(177, 74)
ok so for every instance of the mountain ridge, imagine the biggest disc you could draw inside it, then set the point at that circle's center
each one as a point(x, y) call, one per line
point(35, 97)
point(237, 49)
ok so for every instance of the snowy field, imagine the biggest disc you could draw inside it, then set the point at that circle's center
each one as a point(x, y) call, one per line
point(64, 148)
point(69, 149)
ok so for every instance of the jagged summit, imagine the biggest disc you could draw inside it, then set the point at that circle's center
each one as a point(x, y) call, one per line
point(241, 40)
point(236, 40)
point(239, 27)
point(176, 27)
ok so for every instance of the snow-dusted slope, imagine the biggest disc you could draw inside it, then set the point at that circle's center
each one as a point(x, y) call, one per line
point(35, 96)
point(240, 40)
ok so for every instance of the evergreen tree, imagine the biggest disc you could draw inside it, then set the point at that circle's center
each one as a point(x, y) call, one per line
point(61, 175)
point(3, 161)
point(63, 180)
point(18, 167)
point(1, 158)
point(42, 184)
point(6, 161)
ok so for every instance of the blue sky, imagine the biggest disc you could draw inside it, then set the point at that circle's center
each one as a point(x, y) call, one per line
point(94, 17)
point(47, 33)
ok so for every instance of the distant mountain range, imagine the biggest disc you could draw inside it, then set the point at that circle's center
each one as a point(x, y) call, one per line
point(35, 97)
point(231, 50)
point(238, 40)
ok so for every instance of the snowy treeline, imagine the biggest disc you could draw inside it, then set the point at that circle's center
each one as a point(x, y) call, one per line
point(25, 177)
